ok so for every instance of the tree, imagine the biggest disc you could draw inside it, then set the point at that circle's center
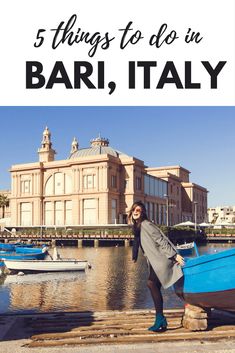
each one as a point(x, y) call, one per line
point(4, 202)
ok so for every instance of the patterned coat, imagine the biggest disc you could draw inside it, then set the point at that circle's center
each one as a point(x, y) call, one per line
point(160, 254)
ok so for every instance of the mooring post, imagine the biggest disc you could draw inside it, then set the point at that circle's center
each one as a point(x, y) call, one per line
point(80, 243)
point(96, 243)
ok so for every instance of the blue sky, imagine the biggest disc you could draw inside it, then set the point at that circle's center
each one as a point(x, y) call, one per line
point(200, 139)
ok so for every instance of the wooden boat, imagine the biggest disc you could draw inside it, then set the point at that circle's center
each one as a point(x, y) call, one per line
point(13, 246)
point(26, 250)
point(209, 281)
point(7, 247)
point(60, 265)
point(38, 254)
point(186, 249)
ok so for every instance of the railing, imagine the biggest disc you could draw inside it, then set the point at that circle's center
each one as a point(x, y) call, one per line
point(67, 236)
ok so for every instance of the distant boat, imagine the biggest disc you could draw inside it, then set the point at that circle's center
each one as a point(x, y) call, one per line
point(12, 246)
point(209, 281)
point(56, 264)
point(7, 247)
point(26, 250)
point(38, 254)
point(186, 249)
point(46, 265)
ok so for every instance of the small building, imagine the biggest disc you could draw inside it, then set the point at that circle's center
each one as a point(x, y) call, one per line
point(221, 214)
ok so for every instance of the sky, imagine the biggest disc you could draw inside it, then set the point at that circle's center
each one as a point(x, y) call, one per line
point(200, 139)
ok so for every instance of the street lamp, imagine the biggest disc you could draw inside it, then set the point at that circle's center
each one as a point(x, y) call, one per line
point(195, 216)
point(167, 209)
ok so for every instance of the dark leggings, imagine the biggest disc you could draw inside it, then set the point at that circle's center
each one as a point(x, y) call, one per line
point(154, 285)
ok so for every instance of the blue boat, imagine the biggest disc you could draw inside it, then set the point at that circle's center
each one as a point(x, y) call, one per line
point(209, 281)
point(37, 254)
point(12, 246)
point(24, 245)
point(26, 250)
point(7, 246)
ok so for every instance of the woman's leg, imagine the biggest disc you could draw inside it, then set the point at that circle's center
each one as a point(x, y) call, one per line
point(154, 285)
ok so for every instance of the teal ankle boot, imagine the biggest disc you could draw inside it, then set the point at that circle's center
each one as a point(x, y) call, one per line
point(160, 324)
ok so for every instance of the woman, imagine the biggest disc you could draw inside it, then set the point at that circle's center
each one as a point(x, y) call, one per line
point(163, 261)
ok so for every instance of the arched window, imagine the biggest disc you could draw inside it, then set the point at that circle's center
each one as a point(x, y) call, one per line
point(58, 184)
point(49, 189)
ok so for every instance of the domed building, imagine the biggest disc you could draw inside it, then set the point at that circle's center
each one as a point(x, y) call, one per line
point(97, 185)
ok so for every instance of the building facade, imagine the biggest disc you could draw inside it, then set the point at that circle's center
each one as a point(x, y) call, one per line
point(221, 214)
point(96, 185)
point(186, 201)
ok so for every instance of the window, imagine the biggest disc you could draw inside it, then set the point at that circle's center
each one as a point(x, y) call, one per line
point(153, 186)
point(68, 212)
point(89, 181)
point(152, 182)
point(146, 184)
point(138, 183)
point(113, 181)
point(89, 211)
point(59, 183)
point(157, 213)
point(25, 186)
point(26, 214)
point(151, 214)
point(59, 219)
point(68, 184)
point(114, 211)
point(48, 213)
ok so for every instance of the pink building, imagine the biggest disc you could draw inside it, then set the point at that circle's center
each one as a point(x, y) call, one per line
point(97, 185)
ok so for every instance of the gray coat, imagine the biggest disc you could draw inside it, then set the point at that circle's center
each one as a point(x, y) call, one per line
point(160, 253)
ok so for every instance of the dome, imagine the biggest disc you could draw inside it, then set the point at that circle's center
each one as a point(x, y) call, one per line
point(95, 151)
point(99, 145)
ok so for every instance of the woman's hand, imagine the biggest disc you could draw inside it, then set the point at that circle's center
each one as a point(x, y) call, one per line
point(179, 259)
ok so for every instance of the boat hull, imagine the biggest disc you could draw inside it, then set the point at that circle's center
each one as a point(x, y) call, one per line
point(222, 300)
point(46, 265)
point(209, 281)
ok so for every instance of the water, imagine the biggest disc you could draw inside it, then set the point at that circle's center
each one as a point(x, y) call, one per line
point(113, 283)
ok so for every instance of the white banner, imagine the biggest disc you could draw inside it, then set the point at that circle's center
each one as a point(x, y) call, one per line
point(171, 52)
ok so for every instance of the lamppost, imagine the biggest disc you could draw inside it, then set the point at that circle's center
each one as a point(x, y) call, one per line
point(167, 209)
point(195, 216)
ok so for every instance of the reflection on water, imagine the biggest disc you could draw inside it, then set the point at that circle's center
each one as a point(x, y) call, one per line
point(113, 283)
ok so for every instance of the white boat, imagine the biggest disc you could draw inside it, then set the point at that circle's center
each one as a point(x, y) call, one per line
point(55, 264)
point(186, 249)
point(60, 265)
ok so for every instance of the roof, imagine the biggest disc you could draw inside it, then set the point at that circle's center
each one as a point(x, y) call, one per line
point(94, 151)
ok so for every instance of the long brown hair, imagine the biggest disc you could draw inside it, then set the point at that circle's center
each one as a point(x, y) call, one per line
point(143, 214)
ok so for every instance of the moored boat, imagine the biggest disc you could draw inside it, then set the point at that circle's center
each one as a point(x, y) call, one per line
point(186, 249)
point(47, 265)
point(39, 254)
point(13, 246)
point(26, 250)
point(7, 247)
point(209, 281)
